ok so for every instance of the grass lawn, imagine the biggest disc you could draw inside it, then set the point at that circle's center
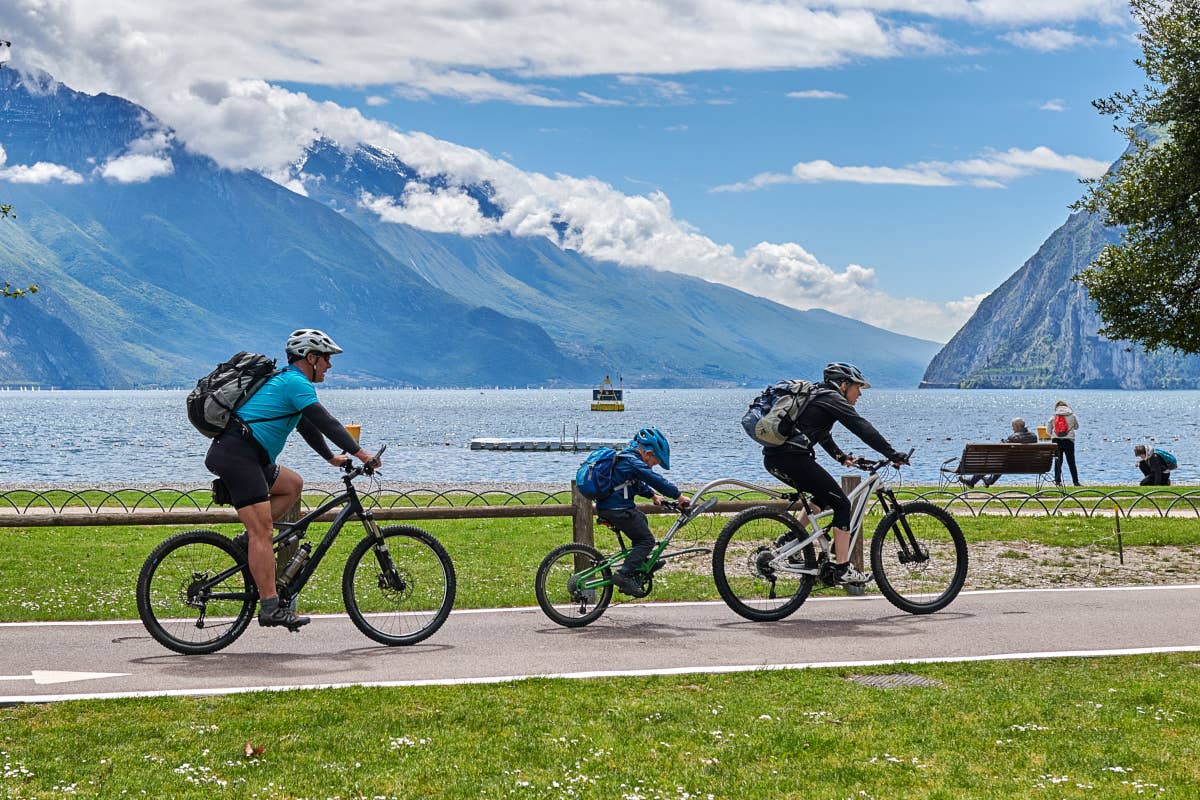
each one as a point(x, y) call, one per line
point(1064, 728)
point(90, 572)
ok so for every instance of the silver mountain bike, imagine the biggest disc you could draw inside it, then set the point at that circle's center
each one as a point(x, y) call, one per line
point(765, 563)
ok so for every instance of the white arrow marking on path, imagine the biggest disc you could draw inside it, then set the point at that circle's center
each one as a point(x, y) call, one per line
point(41, 676)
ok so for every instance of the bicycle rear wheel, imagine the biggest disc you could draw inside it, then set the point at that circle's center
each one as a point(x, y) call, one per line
point(919, 558)
point(182, 605)
point(557, 585)
point(401, 590)
point(742, 569)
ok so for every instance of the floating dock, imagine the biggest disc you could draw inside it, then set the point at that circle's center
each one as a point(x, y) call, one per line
point(546, 445)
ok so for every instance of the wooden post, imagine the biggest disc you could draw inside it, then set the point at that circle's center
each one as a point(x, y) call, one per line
point(849, 484)
point(581, 522)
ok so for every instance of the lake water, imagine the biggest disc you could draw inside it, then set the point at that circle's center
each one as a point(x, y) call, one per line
point(139, 437)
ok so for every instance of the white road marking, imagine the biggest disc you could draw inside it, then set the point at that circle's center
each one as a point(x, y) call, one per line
point(631, 673)
point(41, 676)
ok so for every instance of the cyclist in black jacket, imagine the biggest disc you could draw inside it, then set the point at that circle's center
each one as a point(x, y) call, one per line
point(795, 463)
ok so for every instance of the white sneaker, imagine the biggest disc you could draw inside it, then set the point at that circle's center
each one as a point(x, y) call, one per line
point(849, 576)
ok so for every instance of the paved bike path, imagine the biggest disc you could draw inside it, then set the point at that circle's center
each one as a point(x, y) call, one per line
point(119, 659)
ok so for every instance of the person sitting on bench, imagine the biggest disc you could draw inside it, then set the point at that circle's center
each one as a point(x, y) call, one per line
point(1020, 435)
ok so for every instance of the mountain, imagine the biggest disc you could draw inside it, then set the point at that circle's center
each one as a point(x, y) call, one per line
point(654, 327)
point(150, 280)
point(151, 283)
point(1039, 330)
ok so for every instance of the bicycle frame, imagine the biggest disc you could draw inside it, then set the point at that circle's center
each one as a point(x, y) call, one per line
point(585, 577)
point(294, 531)
point(859, 500)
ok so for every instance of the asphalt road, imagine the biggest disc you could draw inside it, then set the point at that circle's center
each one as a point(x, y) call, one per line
point(58, 661)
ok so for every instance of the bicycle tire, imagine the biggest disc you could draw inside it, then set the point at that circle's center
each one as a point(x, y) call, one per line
point(170, 609)
point(938, 578)
point(403, 594)
point(747, 584)
point(555, 590)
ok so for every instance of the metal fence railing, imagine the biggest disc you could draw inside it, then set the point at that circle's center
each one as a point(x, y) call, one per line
point(168, 506)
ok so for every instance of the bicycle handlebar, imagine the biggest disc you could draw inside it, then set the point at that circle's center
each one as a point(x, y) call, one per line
point(869, 465)
point(368, 468)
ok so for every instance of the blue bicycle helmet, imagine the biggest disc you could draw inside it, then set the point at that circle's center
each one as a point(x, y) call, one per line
point(653, 440)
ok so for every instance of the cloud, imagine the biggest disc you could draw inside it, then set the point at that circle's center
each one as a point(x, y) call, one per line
point(594, 100)
point(593, 218)
point(375, 100)
point(990, 170)
point(442, 210)
point(1046, 40)
point(501, 50)
point(822, 171)
point(1056, 104)
point(137, 168)
point(817, 94)
point(999, 12)
point(41, 172)
point(220, 92)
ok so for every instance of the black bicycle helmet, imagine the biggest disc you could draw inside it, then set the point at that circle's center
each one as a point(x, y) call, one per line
point(840, 372)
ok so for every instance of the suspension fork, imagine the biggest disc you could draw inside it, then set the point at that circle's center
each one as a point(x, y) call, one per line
point(910, 549)
point(389, 577)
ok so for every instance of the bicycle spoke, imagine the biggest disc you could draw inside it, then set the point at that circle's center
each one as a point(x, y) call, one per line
point(571, 586)
point(181, 601)
point(400, 593)
point(744, 567)
point(919, 558)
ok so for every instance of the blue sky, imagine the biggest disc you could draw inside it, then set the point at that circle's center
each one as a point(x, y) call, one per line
point(892, 160)
point(951, 241)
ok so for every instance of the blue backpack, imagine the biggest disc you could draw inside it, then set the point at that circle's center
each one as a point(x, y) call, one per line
point(594, 478)
point(1168, 458)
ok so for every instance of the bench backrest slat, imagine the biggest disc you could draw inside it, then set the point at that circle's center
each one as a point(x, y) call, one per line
point(1006, 458)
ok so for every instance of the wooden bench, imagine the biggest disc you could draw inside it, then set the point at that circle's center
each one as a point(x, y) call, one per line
point(1000, 459)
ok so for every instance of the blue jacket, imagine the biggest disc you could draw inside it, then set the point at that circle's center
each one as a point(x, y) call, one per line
point(638, 479)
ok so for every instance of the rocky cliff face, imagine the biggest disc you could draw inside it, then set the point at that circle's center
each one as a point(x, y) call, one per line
point(1039, 330)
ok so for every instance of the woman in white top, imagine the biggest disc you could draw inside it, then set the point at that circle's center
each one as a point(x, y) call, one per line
point(1062, 427)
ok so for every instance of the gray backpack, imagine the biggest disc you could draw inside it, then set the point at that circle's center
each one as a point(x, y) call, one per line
point(220, 393)
point(771, 418)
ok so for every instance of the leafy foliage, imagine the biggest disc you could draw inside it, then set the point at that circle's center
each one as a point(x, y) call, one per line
point(5, 213)
point(1147, 286)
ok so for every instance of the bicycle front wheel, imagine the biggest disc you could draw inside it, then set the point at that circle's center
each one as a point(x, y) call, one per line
point(919, 558)
point(564, 585)
point(195, 594)
point(399, 591)
point(748, 582)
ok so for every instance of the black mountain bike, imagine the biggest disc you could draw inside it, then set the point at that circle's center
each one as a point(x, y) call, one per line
point(195, 593)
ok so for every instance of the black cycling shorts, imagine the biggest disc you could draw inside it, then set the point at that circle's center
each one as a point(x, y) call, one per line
point(800, 470)
point(244, 467)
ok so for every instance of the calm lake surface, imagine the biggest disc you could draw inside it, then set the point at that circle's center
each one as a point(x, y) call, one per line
point(143, 437)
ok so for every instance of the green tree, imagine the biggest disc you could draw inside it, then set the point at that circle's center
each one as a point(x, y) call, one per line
point(6, 212)
point(1147, 286)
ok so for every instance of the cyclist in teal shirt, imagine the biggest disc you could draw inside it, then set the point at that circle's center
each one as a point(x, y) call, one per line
point(244, 455)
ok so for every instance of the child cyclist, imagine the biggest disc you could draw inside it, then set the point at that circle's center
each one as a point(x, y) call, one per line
point(634, 475)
